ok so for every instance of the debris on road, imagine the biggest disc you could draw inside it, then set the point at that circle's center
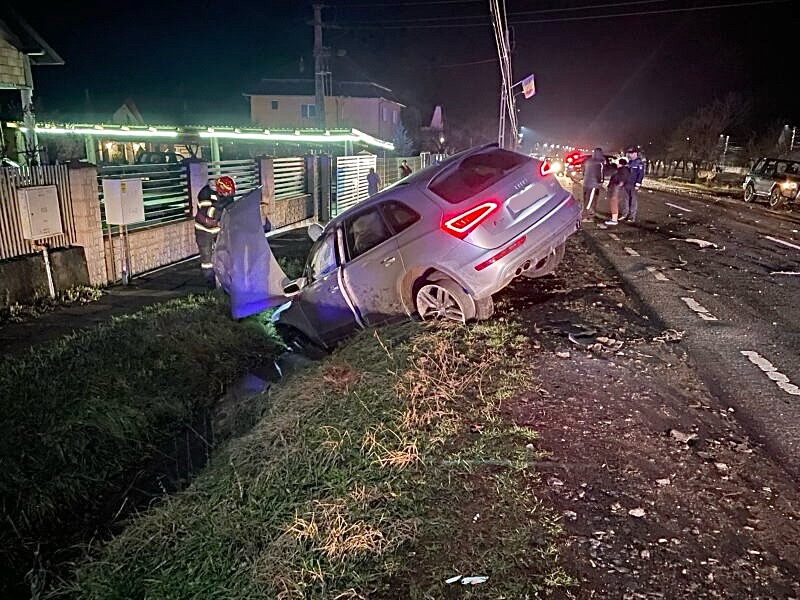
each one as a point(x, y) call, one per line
point(683, 438)
point(702, 243)
point(563, 354)
point(795, 273)
point(636, 512)
point(473, 580)
point(670, 335)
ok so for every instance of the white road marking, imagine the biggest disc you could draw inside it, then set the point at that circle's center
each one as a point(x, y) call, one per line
point(785, 273)
point(631, 251)
point(613, 236)
point(781, 380)
point(658, 274)
point(784, 242)
point(698, 308)
point(678, 207)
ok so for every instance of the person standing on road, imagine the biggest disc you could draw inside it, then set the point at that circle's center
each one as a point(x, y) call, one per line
point(593, 177)
point(373, 182)
point(636, 167)
point(210, 204)
point(405, 170)
point(616, 190)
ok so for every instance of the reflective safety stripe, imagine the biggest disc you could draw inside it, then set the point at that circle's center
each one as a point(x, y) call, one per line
point(213, 197)
point(205, 203)
point(206, 265)
point(207, 229)
point(211, 212)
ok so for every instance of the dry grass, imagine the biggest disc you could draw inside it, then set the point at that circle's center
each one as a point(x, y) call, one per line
point(358, 483)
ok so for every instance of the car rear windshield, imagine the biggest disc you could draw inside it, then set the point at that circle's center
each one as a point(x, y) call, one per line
point(475, 173)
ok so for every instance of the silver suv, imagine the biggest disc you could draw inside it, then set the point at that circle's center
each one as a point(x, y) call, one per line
point(774, 178)
point(438, 243)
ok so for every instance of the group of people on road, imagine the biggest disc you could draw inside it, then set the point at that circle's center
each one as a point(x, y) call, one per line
point(623, 185)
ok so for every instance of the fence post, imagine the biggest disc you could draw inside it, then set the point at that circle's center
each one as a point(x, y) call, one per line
point(312, 183)
point(88, 224)
point(196, 178)
point(266, 175)
point(325, 174)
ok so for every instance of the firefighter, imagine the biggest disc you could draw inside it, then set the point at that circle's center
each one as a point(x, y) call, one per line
point(210, 204)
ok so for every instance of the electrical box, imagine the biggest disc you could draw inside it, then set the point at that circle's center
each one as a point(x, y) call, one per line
point(39, 211)
point(123, 201)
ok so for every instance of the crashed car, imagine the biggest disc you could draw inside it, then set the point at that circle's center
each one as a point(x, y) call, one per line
point(438, 243)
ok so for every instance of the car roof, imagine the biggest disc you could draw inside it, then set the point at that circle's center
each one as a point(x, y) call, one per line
point(419, 178)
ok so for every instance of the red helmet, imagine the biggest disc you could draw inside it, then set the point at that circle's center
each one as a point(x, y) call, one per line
point(225, 186)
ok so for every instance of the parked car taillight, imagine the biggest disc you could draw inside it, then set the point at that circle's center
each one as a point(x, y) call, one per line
point(461, 225)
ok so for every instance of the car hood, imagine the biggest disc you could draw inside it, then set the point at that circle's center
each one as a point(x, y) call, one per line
point(243, 261)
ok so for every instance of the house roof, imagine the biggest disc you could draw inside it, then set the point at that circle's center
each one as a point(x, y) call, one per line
point(305, 87)
point(25, 38)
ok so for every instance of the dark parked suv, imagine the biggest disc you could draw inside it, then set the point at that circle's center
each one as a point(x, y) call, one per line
point(774, 178)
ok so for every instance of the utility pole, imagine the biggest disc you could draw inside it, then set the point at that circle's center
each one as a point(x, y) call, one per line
point(322, 72)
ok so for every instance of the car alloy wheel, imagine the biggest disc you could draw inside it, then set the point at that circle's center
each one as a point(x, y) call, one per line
point(749, 193)
point(776, 198)
point(445, 300)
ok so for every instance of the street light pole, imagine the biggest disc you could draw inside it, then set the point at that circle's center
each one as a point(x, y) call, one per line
point(321, 71)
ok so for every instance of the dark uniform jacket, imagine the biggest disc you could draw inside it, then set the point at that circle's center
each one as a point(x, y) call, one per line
point(209, 210)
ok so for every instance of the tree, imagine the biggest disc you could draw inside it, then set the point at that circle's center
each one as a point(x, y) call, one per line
point(697, 138)
point(403, 144)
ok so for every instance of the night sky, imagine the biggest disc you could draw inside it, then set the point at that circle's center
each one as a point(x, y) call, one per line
point(610, 81)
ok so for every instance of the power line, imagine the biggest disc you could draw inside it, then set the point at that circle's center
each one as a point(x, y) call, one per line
point(465, 64)
point(417, 3)
point(384, 25)
point(513, 14)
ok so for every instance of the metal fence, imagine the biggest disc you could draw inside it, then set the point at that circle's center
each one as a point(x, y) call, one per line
point(350, 181)
point(244, 172)
point(12, 242)
point(164, 188)
point(290, 177)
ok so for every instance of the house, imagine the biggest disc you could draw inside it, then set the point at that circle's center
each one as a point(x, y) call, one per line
point(290, 103)
point(20, 49)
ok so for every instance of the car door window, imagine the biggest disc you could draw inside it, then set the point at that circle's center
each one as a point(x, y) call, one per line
point(364, 231)
point(759, 166)
point(769, 168)
point(399, 216)
point(322, 258)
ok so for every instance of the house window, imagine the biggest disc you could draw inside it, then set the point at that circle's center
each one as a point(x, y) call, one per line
point(384, 113)
point(308, 111)
point(394, 117)
point(274, 105)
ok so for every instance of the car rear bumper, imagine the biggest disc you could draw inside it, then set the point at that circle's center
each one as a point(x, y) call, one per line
point(541, 239)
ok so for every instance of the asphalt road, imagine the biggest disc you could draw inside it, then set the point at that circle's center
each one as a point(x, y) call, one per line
point(735, 301)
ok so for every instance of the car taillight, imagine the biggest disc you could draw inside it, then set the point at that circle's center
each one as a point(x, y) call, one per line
point(461, 225)
point(504, 252)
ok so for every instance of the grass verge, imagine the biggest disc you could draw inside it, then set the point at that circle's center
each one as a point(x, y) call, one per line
point(84, 415)
point(76, 295)
point(380, 473)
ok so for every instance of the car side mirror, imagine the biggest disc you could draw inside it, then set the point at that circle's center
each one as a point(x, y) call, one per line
point(295, 287)
point(315, 231)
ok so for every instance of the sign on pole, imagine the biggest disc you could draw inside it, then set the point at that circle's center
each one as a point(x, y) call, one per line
point(528, 86)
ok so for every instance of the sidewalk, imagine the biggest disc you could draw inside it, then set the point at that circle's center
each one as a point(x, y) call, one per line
point(174, 281)
point(170, 282)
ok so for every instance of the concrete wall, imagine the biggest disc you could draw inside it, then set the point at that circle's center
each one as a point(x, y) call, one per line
point(287, 211)
point(152, 247)
point(12, 69)
point(24, 279)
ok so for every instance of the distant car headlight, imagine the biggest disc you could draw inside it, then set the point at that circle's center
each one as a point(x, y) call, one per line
point(555, 167)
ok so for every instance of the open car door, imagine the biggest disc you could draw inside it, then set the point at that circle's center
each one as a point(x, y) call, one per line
point(243, 261)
